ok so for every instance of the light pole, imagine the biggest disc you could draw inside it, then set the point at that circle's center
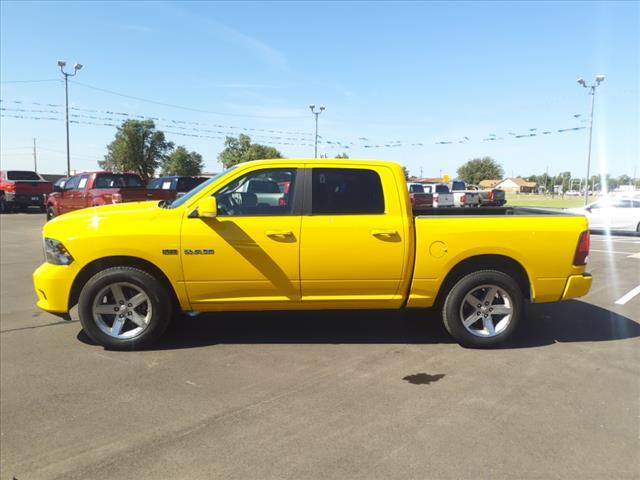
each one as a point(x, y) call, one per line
point(76, 67)
point(312, 107)
point(592, 92)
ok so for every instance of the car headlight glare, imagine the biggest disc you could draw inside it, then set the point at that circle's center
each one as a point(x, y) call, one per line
point(56, 253)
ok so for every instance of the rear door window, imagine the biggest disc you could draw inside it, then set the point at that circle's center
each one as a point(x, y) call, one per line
point(346, 191)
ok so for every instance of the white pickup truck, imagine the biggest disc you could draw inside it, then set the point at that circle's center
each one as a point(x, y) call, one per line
point(441, 195)
point(462, 196)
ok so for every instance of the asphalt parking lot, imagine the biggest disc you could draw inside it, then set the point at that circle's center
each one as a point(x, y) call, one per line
point(316, 395)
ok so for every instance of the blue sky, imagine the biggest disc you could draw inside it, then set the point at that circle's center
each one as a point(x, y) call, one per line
point(391, 73)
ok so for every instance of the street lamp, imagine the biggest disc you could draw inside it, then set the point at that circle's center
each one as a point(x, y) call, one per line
point(592, 92)
point(312, 107)
point(76, 67)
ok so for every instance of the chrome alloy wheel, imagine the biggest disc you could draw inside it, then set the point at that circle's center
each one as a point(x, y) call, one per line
point(122, 310)
point(486, 310)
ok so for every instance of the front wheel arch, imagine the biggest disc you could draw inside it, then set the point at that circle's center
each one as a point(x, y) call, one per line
point(100, 264)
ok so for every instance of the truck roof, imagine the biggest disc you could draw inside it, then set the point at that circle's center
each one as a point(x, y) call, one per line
point(325, 161)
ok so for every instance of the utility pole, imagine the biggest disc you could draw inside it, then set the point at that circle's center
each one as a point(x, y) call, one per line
point(35, 158)
point(76, 67)
point(312, 107)
point(592, 92)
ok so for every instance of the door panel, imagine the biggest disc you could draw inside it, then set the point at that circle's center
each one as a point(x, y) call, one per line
point(254, 259)
point(350, 257)
point(248, 256)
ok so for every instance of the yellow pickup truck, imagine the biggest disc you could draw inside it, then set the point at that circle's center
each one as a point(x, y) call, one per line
point(340, 235)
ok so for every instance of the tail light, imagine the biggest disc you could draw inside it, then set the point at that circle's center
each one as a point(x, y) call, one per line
point(10, 187)
point(116, 198)
point(491, 196)
point(282, 202)
point(582, 250)
point(463, 199)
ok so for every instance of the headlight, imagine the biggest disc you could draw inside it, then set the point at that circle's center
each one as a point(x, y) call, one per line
point(56, 253)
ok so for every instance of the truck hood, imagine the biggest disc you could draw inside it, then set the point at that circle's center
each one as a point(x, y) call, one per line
point(105, 217)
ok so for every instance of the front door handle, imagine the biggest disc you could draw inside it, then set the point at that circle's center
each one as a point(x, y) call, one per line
point(383, 232)
point(278, 233)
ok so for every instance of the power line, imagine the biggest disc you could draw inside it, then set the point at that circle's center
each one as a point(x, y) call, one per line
point(31, 81)
point(191, 109)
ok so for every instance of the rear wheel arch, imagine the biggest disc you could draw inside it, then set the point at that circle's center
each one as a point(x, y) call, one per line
point(100, 264)
point(500, 263)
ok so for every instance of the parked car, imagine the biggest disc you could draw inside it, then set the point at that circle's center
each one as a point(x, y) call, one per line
point(93, 189)
point(345, 237)
point(489, 198)
point(463, 196)
point(178, 185)
point(441, 195)
point(419, 198)
point(617, 213)
point(22, 189)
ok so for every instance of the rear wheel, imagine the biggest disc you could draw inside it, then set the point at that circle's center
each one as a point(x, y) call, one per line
point(124, 308)
point(483, 309)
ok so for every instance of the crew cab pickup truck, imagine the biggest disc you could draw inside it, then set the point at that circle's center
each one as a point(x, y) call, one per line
point(489, 198)
point(419, 198)
point(22, 188)
point(345, 237)
point(462, 196)
point(92, 189)
point(442, 197)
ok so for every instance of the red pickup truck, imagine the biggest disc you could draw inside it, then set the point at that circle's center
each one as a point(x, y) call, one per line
point(22, 188)
point(91, 189)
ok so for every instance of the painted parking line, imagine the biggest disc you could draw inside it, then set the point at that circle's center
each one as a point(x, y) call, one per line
point(628, 296)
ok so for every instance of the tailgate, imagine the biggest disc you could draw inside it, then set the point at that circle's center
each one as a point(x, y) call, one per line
point(30, 188)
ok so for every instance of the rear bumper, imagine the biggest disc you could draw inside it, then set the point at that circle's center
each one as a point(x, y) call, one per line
point(577, 286)
point(52, 284)
point(35, 199)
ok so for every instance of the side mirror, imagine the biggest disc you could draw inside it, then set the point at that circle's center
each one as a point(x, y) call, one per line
point(57, 188)
point(588, 209)
point(208, 207)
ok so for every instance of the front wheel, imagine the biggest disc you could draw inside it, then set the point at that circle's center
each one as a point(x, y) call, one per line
point(124, 308)
point(51, 212)
point(483, 309)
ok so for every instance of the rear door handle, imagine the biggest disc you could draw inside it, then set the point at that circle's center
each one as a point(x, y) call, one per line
point(278, 233)
point(383, 232)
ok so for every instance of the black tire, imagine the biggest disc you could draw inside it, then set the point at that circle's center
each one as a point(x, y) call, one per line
point(159, 300)
point(43, 209)
point(455, 305)
point(51, 212)
point(3, 204)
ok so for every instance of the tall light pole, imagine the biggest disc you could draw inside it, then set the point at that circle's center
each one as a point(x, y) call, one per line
point(312, 107)
point(592, 92)
point(76, 67)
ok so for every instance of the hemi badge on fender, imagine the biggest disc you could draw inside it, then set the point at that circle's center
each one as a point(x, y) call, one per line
point(169, 251)
point(198, 251)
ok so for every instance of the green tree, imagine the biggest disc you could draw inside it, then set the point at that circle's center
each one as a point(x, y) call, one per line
point(138, 147)
point(239, 150)
point(182, 162)
point(406, 172)
point(478, 169)
point(342, 155)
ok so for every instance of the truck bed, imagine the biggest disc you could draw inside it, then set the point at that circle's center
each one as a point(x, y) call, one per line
point(487, 211)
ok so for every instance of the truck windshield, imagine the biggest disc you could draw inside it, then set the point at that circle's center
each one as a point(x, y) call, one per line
point(23, 175)
point(187, 196)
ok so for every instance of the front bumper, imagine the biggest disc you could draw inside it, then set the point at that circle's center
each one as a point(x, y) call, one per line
point(577, 286)
point(52, 284)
